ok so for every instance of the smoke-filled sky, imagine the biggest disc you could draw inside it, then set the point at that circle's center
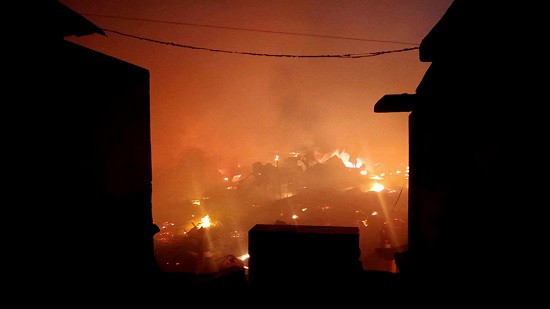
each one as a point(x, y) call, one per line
point(230, 83)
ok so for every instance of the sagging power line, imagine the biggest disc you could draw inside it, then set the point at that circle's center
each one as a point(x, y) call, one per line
point(349, 56)
point(251, 30)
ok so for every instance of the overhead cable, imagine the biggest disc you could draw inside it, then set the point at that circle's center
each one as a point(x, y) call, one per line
point(252, 30)
point(349, 56)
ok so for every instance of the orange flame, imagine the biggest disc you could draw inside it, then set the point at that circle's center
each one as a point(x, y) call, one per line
point(205, 222)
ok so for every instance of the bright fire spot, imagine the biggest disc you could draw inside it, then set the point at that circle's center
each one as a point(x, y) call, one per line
point(363, 172)
point(236, 178)
point(344, 156)
point(167, 224)
point(294, 217)
point(304, 209)
point(349, 164)
point(244, 257)
point(377, 187)
point(205, 222)
point(375, 177)
point(374, 213)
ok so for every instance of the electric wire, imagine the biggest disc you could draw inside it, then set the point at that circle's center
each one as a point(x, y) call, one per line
point(251, 30)
point(348, 56)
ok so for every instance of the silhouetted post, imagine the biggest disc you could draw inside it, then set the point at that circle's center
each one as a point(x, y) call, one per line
point(278, 177)
point(201, 248)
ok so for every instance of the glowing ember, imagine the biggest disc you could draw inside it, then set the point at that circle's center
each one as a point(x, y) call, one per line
point(205, 222)
point(323, 194)
point(376, 187)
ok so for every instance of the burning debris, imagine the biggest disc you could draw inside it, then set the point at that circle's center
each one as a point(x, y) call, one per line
point(307, 190)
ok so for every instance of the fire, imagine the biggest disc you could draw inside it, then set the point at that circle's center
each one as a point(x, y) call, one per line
point(377, 187)
point(205, 222)
point(345, 157)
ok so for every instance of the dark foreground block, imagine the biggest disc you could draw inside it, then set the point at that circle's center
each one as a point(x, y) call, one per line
point(293, 257)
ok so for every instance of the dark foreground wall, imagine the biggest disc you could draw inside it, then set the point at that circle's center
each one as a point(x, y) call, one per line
point(80, 162)
point(468, 150)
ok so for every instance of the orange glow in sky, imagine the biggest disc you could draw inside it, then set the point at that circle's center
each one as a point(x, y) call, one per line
point(229, 110)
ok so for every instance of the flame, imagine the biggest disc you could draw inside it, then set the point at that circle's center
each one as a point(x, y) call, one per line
point(342, 155)
point(205, 222)
point(345, 157)
point(236, 178)
point(377, 187)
